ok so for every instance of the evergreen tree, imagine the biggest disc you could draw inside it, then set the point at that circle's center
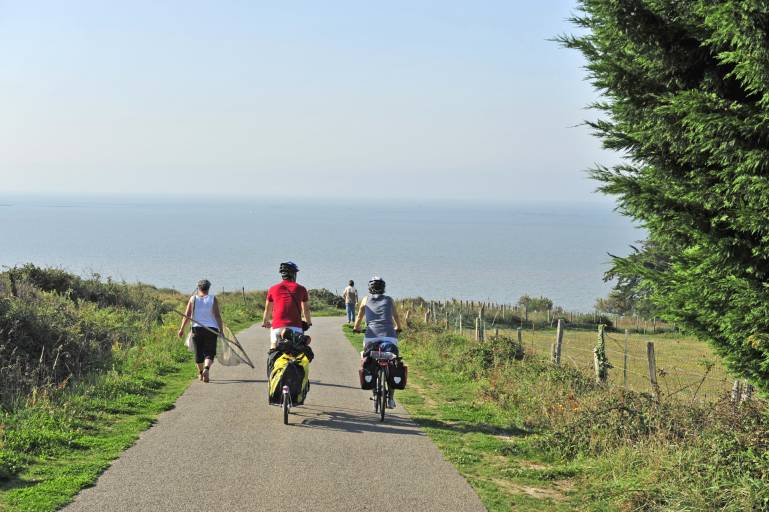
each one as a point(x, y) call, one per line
point(685, 87)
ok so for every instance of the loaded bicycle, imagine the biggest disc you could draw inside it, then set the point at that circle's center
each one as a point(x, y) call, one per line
point(384, 362)
point(382, 371)
point(288, 371)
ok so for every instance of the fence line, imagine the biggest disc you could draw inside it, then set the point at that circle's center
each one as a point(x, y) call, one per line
point(619, 364)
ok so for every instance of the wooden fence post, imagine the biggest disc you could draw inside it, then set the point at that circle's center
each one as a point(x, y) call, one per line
point(652, 369)
point(748, 393)
point(556, 351)
point(477, 329)
point(736, 391)
point(600, 361)
point(243, 289)
point(460, 324)
point(624, 363)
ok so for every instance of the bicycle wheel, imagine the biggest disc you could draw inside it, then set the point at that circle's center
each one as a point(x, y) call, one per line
point(285, 408)
point(382, 393)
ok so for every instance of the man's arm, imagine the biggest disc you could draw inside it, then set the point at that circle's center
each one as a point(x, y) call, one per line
point(267, 314)
point(306, 312)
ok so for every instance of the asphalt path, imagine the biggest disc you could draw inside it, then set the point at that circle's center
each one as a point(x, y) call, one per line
point(224, 448)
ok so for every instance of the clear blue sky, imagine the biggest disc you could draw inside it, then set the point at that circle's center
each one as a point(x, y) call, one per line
point(438, 99)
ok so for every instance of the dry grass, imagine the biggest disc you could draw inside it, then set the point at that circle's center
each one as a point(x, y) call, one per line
point(686, 368)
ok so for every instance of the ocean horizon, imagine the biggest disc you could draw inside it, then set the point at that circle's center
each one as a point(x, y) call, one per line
point(471, 250)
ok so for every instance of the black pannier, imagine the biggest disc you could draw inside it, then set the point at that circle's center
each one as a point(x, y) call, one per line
point(399, 373)
point(367, 373)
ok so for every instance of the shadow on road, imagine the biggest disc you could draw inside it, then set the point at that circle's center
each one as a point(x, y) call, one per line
point(358, 423)
point(326, 384)
point(235, 381)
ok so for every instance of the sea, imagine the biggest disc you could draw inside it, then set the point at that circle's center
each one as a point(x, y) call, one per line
point(433, 249)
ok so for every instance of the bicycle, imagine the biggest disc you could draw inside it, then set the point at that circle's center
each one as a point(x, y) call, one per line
point(382, 388)
point(288, 373)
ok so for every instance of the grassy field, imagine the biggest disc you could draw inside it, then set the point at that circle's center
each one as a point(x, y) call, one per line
point(686, 367)
point(58, 437)
point(531, 436)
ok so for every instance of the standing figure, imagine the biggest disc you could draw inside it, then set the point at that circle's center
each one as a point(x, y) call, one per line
point(287, 302)
point(350, 295)
point(203, 308)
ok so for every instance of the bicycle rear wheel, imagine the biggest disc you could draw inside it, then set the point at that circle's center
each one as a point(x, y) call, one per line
point(285, 408)
point(382, 393)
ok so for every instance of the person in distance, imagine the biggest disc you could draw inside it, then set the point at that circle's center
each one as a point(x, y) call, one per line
point(350, 295)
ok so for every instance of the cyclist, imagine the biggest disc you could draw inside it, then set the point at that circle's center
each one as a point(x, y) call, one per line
point(287, 302)
point(382, 322)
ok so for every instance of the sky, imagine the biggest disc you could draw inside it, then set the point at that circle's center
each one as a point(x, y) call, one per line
point(399, 99)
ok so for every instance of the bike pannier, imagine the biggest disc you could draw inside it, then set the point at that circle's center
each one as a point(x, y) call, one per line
point(398, 375)
point(367, 373)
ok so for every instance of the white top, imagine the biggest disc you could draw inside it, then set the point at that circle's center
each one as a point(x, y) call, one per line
point(350, 295)
point(203, 312)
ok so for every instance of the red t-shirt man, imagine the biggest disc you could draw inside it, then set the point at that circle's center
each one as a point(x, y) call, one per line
point(287, 298)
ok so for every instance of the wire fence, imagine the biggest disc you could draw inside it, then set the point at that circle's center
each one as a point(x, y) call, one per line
point(660, 362)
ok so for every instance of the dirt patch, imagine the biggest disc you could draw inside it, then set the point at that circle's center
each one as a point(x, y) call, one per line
point(531, 465)
point(540, 493)
point(420, 390)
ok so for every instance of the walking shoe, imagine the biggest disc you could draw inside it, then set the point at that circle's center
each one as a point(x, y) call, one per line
point(205, 375)
point(391, 403)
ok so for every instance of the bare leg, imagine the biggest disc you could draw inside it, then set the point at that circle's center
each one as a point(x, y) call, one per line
point(208, 364)
point(200, 370)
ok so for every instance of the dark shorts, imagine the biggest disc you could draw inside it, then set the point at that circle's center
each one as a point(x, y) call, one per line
point(205, 344)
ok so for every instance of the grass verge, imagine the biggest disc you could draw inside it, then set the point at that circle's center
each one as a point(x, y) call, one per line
point(531, 436)
point(60, 441)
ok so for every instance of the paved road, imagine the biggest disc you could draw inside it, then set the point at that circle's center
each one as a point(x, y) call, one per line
point(223, 448)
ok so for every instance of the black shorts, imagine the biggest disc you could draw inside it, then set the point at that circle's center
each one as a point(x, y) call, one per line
point(205, 343)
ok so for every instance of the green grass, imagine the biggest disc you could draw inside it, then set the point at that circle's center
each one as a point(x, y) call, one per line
point(60, 441)
point(531, 436)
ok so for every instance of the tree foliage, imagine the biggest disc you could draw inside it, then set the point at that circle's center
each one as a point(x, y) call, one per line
point(535, 303)
point(685, 86)
point(631, 293)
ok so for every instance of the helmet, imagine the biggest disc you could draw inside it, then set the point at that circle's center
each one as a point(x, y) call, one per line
point(288, 269)
point(376, 285)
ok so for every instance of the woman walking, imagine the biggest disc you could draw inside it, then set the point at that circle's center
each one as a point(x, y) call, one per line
point(203, 308)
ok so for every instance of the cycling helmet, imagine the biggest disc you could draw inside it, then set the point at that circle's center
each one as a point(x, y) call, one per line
point(288, 269)
point(376, 285)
